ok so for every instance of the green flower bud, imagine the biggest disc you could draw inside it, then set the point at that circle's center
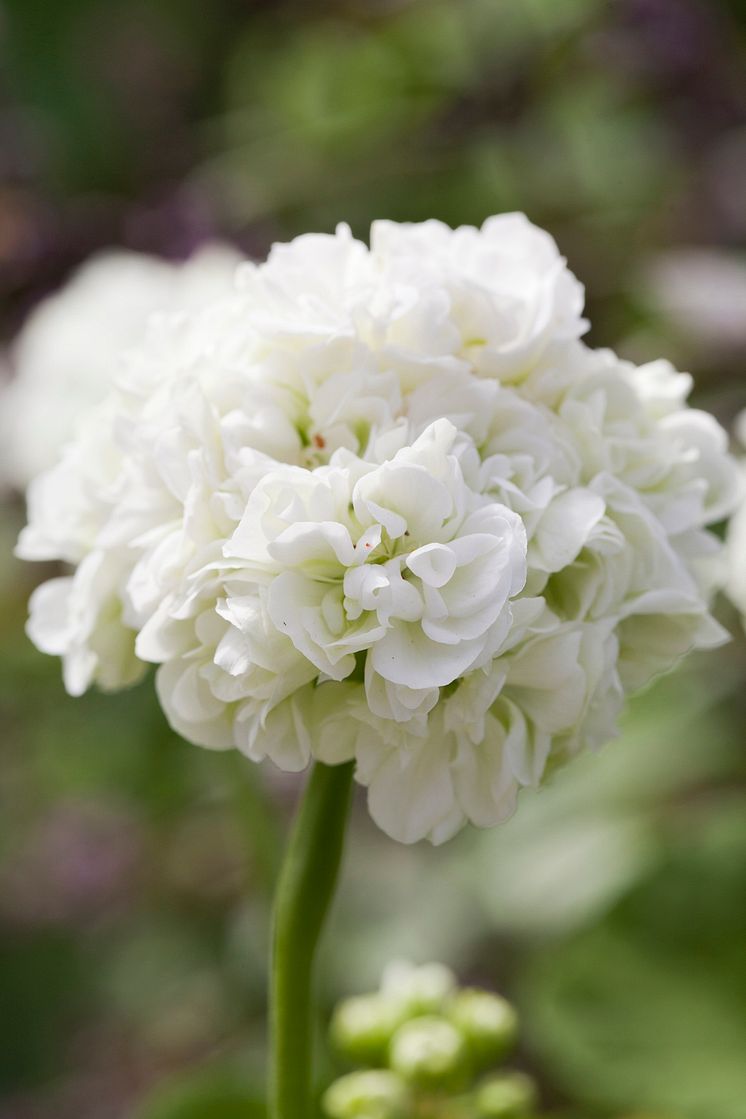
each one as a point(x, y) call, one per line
point(375, 1094)
point(362, 1028)
point(429, 1052)
point(488, 1022)
point(509, 1095)
point(417, 990)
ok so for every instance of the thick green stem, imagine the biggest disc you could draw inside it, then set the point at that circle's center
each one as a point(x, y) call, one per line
point(304, 892)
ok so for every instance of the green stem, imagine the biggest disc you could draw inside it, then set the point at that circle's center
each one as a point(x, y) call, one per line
point(304, 892)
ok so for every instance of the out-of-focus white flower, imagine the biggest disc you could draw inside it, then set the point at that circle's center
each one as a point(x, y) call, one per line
point(70, 348)
point(702, 291)
point(737, 559)
point(384, 504)
point(735, 577)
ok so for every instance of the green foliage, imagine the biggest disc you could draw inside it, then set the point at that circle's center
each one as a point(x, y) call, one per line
point(44, 985)
point(646, 1009)
point(219, 1093)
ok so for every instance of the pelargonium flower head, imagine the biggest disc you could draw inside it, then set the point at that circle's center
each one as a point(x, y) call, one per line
point(401, 561)
point(384, 504)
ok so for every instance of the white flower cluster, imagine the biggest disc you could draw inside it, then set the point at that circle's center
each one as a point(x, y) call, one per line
point(67, 353)
point(384, 504)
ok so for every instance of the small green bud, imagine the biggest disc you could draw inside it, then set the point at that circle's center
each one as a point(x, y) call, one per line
point(375, 1094)
point(417, 990)
point(362, 1027)
point(488, 1022)
point(509, 1095)
point(429, 1052)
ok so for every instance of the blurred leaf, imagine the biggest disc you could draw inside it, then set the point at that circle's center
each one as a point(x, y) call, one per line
point(210, 1094)
point(578, 844)
point(44, 985)
point(646, 1010)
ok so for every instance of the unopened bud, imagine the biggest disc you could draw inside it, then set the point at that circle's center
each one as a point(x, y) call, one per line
point(417, 990)
point(374, 1094)
point(362, 1028)
point(510, 1095)
point(488, 1022)
point(429, 1052)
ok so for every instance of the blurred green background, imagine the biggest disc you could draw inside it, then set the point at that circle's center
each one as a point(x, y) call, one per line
point(135, 870)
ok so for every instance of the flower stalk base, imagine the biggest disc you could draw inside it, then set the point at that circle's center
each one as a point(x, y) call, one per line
point(305, 889)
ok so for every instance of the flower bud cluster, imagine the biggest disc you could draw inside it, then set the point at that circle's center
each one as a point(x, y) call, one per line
point(429, 1048)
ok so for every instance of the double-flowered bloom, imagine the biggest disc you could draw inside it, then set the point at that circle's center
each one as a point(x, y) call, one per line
point(384, 504)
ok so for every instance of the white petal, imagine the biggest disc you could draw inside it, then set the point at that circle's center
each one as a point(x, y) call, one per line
point(411, 792)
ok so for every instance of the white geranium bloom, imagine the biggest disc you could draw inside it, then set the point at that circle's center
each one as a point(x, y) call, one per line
point(70, 348)
point(505, 291)
point(401, 560)
point(78, 617)
point(383, 504)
